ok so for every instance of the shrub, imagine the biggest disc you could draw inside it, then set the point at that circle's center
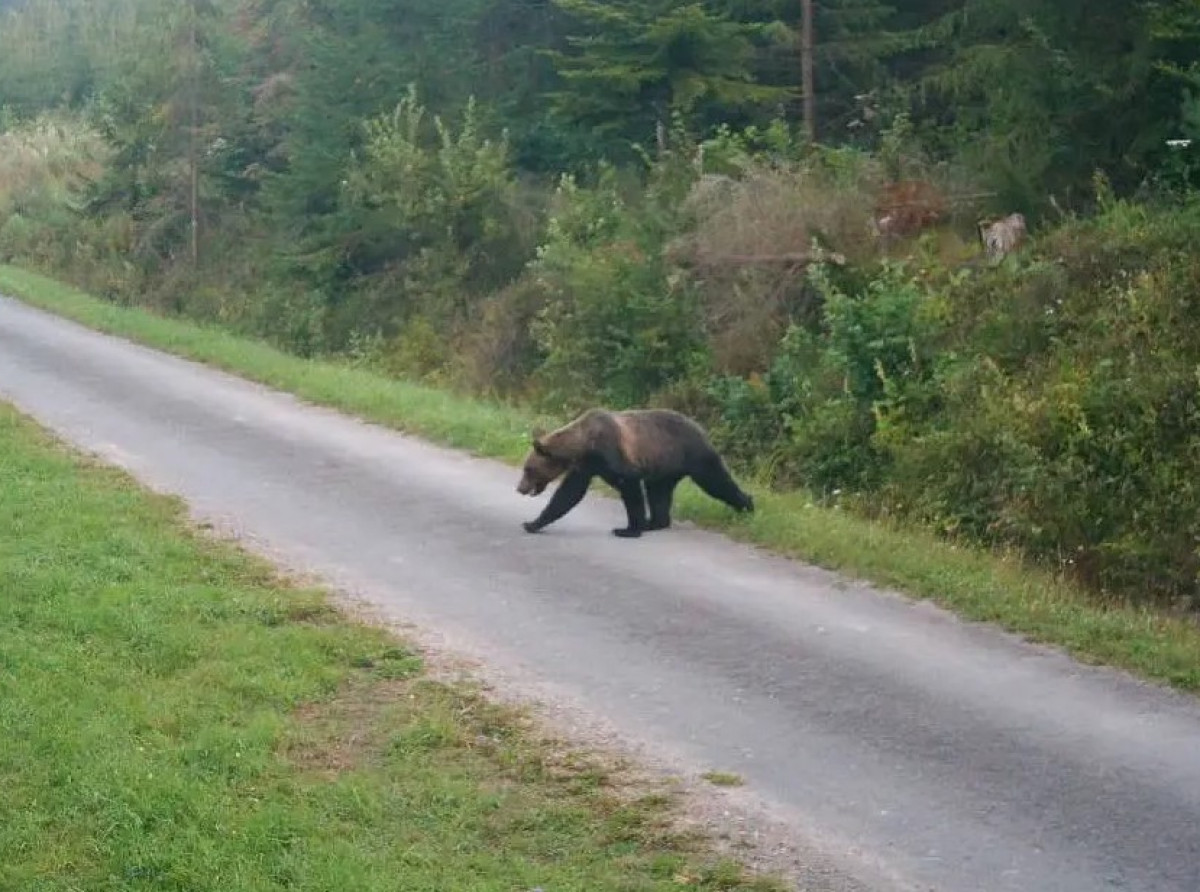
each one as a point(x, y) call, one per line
point(438, 209)
point(45, 167)
point(871, 357)
point(616, 327)
point(498, 353)
point(747, 237)
point(1068, 419)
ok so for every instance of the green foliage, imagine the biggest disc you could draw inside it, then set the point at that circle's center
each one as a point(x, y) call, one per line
point(855, 43)
point(729, 151)
point(616, 328)
point(46, 164)
point(55, 52)
point(1078, 442)
point(46, 167)
point(1052, 404)
point(290, 318)
point(637, 64)
point(161, 112)
point(435, 205)
point(831, 389)
point(1037, 95)
point(331, 64)
point(1174, 26)
point(876, 336)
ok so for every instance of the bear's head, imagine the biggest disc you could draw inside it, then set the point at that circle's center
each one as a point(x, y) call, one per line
point(541, 468)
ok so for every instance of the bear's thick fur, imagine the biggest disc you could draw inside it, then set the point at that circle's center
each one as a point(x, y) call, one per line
point(652, 447)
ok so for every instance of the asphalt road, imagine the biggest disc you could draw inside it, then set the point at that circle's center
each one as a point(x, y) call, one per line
point(909, 750)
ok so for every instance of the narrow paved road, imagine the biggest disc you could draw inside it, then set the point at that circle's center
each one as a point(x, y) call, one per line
point(912, 750)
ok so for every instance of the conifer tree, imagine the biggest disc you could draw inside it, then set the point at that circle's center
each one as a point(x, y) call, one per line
point(633, 65)
point(162, 113)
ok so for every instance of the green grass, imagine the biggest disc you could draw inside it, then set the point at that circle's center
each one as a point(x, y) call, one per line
point(723, 779)
point(174, 717)
point(977, 584)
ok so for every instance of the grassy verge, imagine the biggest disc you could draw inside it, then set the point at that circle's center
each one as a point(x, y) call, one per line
point(176, 718)
point(977, 584)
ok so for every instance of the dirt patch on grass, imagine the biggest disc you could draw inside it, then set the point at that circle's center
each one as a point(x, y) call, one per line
point(346, 731)
point(535, 737)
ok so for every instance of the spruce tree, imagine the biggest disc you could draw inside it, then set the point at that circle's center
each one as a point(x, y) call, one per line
point(634, 65)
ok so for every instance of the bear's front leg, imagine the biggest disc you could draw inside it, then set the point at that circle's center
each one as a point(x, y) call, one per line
point(569, 494)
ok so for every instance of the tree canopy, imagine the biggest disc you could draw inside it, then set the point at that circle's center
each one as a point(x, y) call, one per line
point(1039, 93)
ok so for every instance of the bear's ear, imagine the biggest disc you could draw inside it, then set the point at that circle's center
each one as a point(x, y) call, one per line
point(540, 448)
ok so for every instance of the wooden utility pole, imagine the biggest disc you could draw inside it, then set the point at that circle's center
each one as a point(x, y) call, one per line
point(193, 135)
point(806, 70)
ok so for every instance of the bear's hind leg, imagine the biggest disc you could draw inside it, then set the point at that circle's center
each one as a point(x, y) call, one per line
point(569, 494)
point(635, 508)
point(714, 478)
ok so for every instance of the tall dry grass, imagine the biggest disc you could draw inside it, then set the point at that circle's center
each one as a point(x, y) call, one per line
point(44, 163)
point(750, 239)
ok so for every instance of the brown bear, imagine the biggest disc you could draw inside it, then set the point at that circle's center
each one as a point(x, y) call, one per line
point(652, 447)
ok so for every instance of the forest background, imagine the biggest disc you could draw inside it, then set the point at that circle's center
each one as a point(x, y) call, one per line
point(563, 203)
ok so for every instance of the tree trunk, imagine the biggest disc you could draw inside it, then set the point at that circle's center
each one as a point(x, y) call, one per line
point(806, 68)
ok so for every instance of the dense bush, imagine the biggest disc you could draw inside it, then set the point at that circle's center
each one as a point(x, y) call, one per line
point(45, 166)
point(1051, 403)
point(433, 212)
point(616, 326)
point(1068, 406)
